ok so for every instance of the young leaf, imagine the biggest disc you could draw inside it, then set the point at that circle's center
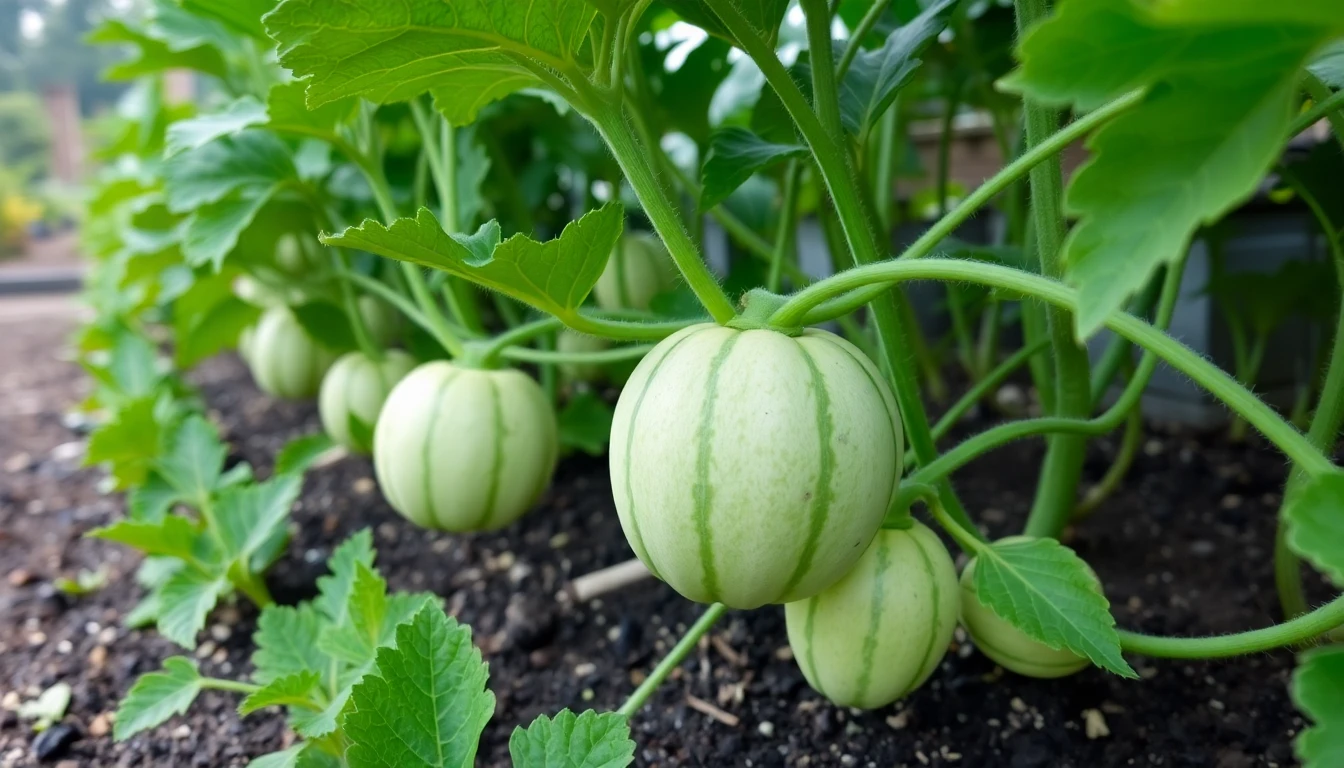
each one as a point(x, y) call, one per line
point(184, 602)
point(555, 276)
point(249, 515)
point(426, 704)
point(1044, 589)
point(333, 597)
point(198, 131)
point(157, 696)
point(300, 453)
point(1315, 526)
point(875, 77)
point(373, 617)
point(286, 640)
point(1318, 690)
point(734, 155)
point(1212, 121)
point(288, 758)
point(327, 324)
point(194, 459)
point(468, 53)
point(585, 424)
point(172, 536)
point(588, 740)
point(128, 442)
point(295, 691)
point(47, 708)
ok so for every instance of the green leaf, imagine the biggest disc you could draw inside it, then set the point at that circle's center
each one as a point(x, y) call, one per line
point(1329, 65)
point(315, 725)
point(289, 758)
point(765, 16)
point(1323, 14)
point(241, 15)
point(128, 442)
point(1315, 523)
point(734, 155)
point(327, 324)
point(252, 160)
point(555, 276)
point(294, 691)
point(585, 423)
point(356, 641)
point(157, 696)
point(473, 165)
point(170, 537)
point(49, 707)
point(184, 602)
point(466, 52)
point(214, 229)
point(134, 367)
point(588, 740)
point(875, 77)
point(286, 640)
point(426, 704)
point(151, 501)
point(1318, 690)
point(333, 599)
point(1041, 587)
point(154, 56)
point(86, 582)
point(300, 453)
point(1214, 116)
point(198, 131)
point(248, 515)
point(194, 459)
point(219, 327)
point(287, 111)
point(361, 432)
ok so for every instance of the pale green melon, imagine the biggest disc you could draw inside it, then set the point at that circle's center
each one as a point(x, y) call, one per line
point(380, 320)
point(285, 362)
point(460, 449)
point(878, 633)
point(1008, 646)
point(572, 341)
point(750, 467)
point(639, 269)
point(353, 393)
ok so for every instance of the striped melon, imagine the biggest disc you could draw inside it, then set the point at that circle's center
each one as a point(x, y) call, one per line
point(285, 361)
point(461, 449)
point(750, 467)
point(380, 320)
point(639, 269)
point(353, 392)
point(879, 632)
point(1008, 646)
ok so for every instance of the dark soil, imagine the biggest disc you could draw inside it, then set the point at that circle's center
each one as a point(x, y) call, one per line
point(1183, 549)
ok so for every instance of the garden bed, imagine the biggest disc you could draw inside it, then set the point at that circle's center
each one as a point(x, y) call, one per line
point(1182, 549)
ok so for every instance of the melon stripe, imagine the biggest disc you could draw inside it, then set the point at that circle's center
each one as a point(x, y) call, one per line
point(636, 538)
point(497, 462)
point(426, 464)
point(811, 626)
point(822, 493)
point(893, 418)
point(935, 601)
point(876, 606)
point(702, 492)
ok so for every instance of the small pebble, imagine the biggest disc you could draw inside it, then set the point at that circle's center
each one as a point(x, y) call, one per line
point(54, 742)
point(1094, 724)
point(37, 638)
point(784, 653)
point(899, 721)
point(20, 576)
point(100, 726)
point(182, 731)
point(585, 669)
point(1231, 501)
point(559, 540)
point(363, 486)
point(107, 635)
point(204, 650)
point(64, 647)
point(220, 632)
point(18, 462)
point(766, 728)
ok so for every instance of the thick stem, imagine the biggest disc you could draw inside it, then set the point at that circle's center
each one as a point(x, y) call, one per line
point(672, 660)
point(1300, 630)
point(1057, 489)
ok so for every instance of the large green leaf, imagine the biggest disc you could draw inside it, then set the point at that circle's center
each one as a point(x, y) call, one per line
point(327, 324)
point(426, 705)
point(241, 15)
point(252, 159)
point(734, 155)
point(1214, 115)
point(587, 740)
point(153, 56)
point(554, 276)
point(288, 112)
point(157, 696)
point(215, 330)
point(1314, 511)
point(1324, 14)
point(466, 52)
point(765, 16)
point(198, 131)
point(1041, 587)
point(214, 229)
point(1318, 690)
point(875, 77)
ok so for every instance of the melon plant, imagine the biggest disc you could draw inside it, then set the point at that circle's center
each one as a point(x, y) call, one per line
point(638, 270)
point(1008, 646)
point(753, 467)
point(353, 393)
point(879, 632)
point(285, 361)
point(567, 342)
point(464, 449)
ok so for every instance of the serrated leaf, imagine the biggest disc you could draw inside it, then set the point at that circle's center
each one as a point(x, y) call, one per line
point(333, 597)
point(1318, 690)
point(286, 640)
point(327, 324)
point(585, 424)
point(288, 758)
point(295, 690)
point(1314, 512)
point(588, 740)
point(215, 228)
point(198, 131)
point(356, 640)
point(315, 725)
point(300, 453)
point(555, 276)
point(1214, 116)
point(875, 77)
point(193, 459)
point(249, 515)
point(765, 16)
point(287, 111)
point(128, 442)
point(426, 704)
point(157, 696)
point(1041, 587)
point(252, 159)
point(218, 328)
point(466, 52)
point(151, 501)
point(185, 599)
point(241, 15)
point(170, 537)
point(735, 154)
